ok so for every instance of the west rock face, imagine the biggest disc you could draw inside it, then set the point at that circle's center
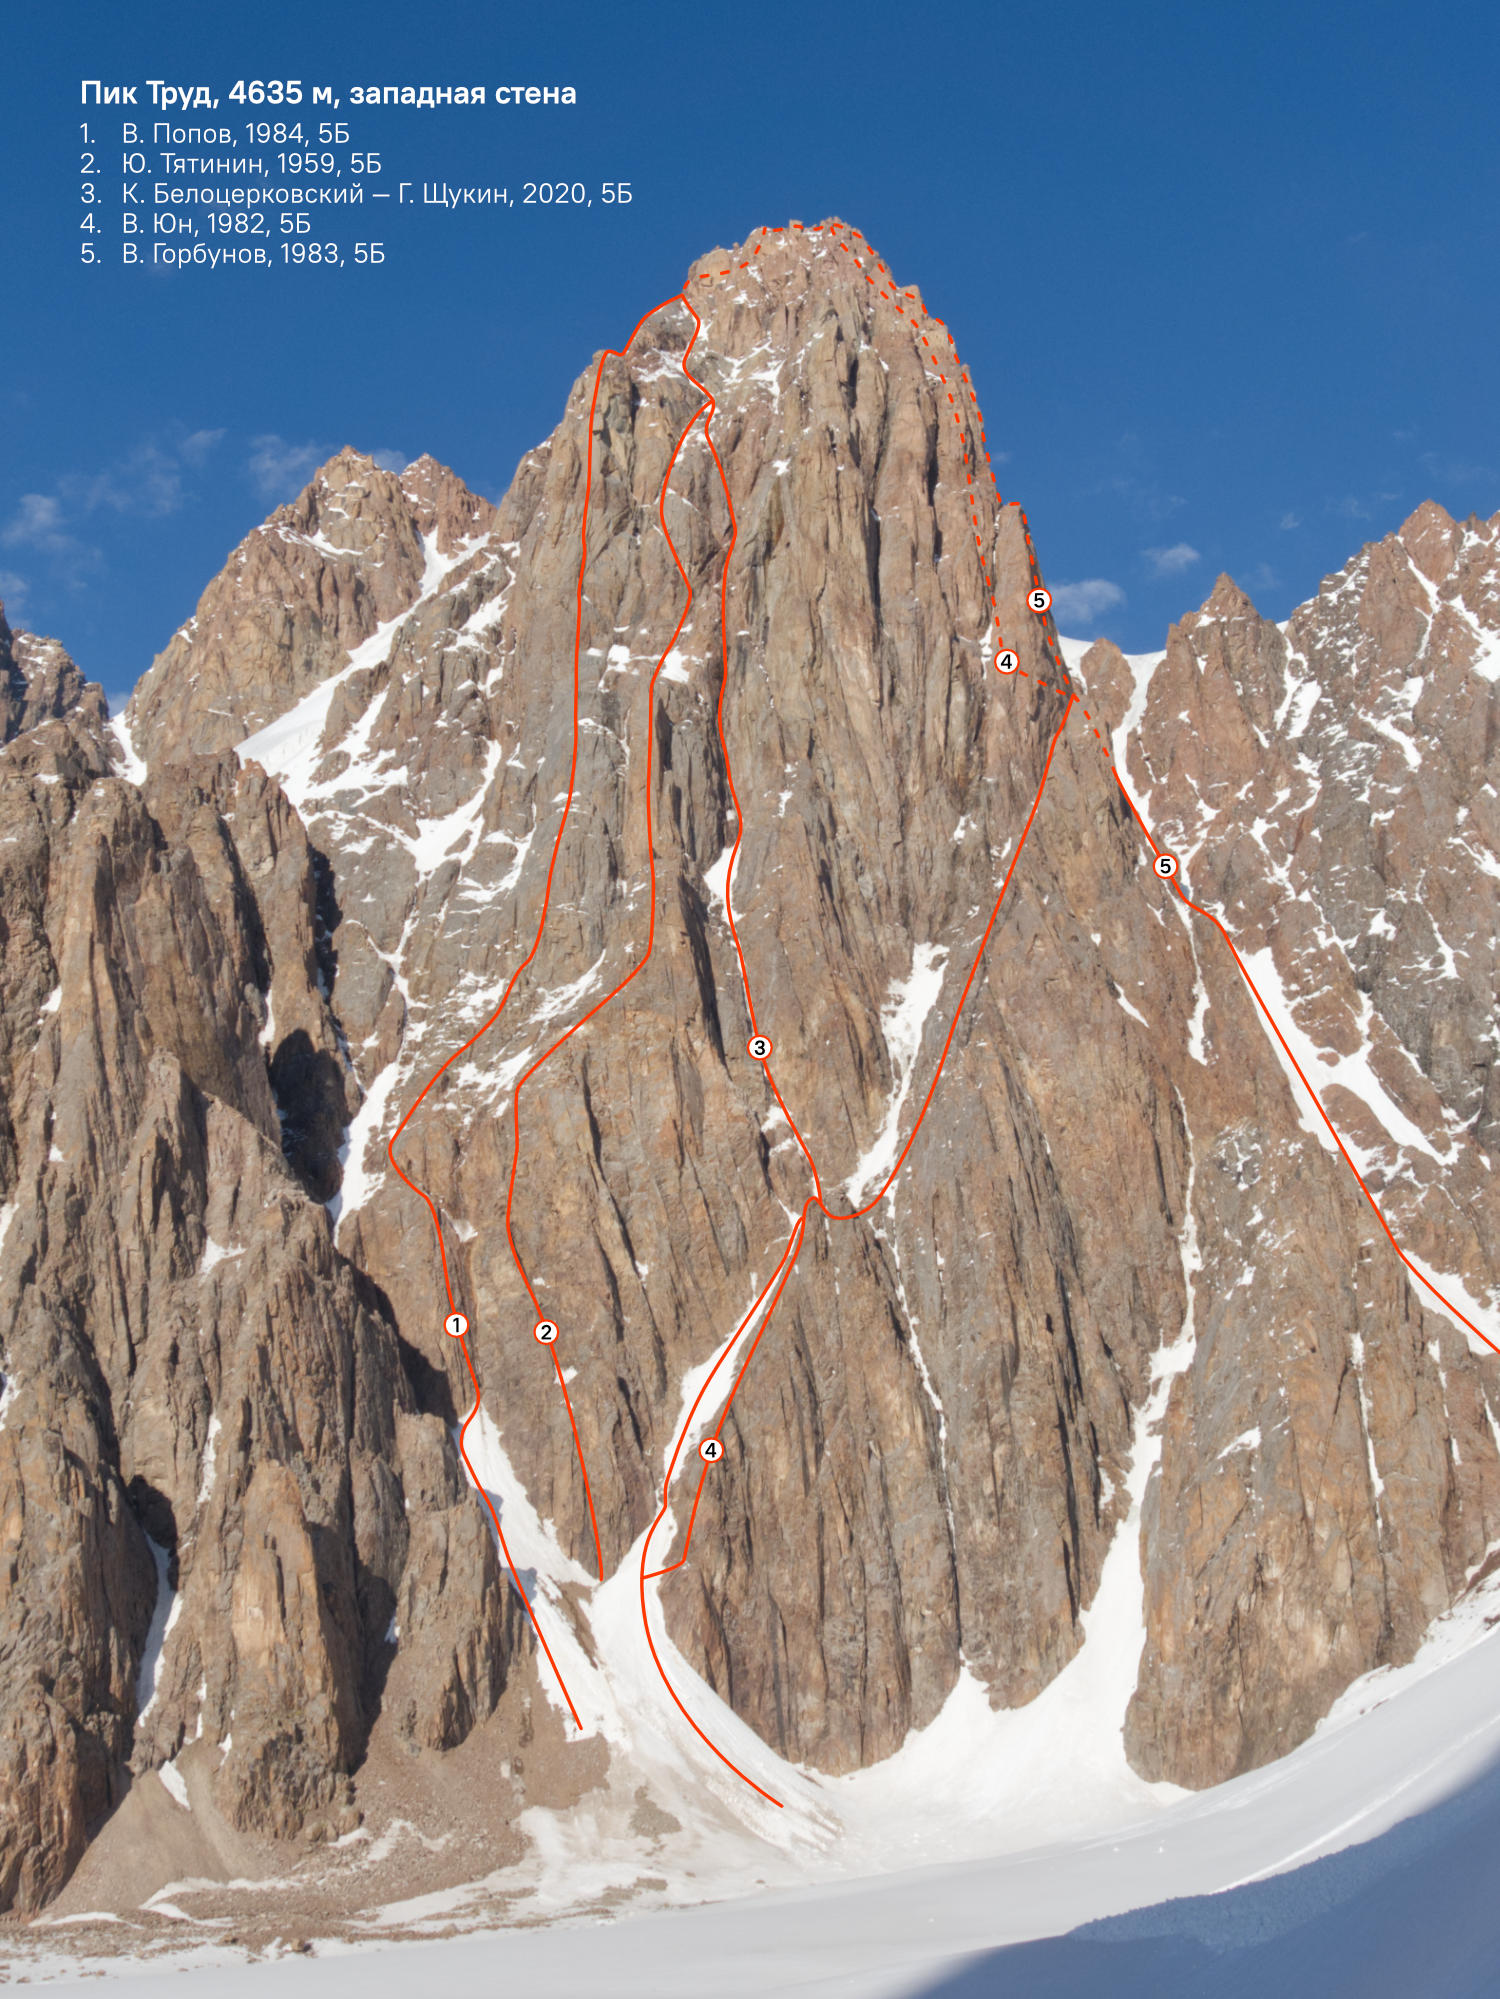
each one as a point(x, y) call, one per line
point(226, 985)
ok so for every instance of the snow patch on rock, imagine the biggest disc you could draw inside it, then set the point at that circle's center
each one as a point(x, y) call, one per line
point(163, 1617)
point(903, 1021)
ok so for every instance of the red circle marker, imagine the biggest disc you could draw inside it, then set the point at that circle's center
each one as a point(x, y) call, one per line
point(1007, 660)
point(545, 1331)
point(456, 1326)
point(1040, 601)
point(758, 1048)
point(710, 1450)
point(1166, 866)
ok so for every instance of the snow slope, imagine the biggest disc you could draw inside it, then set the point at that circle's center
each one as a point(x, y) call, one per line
point(1357, 1863)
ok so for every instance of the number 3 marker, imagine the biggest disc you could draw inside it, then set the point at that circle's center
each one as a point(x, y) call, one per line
point(758, 1048)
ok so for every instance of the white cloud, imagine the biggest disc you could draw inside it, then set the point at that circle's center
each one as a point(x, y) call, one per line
point(1172, 561)
point(280, 470)
point(148, 482)
point(1353, 507)
point(1454, 471)
point(1289, 522)
point(195, 448)
point(38, 523)
point(391, 461)
point(1147, 499)
point(1082, 603)
point(12, 589)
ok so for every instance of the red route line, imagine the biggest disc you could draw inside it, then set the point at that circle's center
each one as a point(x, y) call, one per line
point(636, 969)
point(1317, 1101)
point(794, 1244)
point(817, 1200)
point(770, 1296)
point(500, 1534)
point(1049, 639)
point(781, 1271)
point(778, 1280)
point(652, 1574)
point(485, 1026)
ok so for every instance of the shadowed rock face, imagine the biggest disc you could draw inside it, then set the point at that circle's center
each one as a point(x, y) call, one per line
point(187, 1356)
point(359, 752)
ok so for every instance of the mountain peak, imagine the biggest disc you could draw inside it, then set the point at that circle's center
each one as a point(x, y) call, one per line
point(39, 682)
point(839, 241)
point(314, 581)
point(1227, 601)
point(705, 743)
point(1430, 536)
point(443, 505)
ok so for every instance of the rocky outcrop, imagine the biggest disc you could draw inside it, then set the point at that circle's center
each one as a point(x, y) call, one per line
point(299, 595)
point(225, 987)
point(930, 1447)
point(1331, 790)
point(38, 682)
point(190, 1367)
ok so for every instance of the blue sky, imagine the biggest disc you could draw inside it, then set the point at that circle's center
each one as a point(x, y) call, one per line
point(1226, 276)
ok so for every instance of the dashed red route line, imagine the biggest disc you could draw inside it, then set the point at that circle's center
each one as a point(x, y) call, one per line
point(817, 1200)
point(770, 1296)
